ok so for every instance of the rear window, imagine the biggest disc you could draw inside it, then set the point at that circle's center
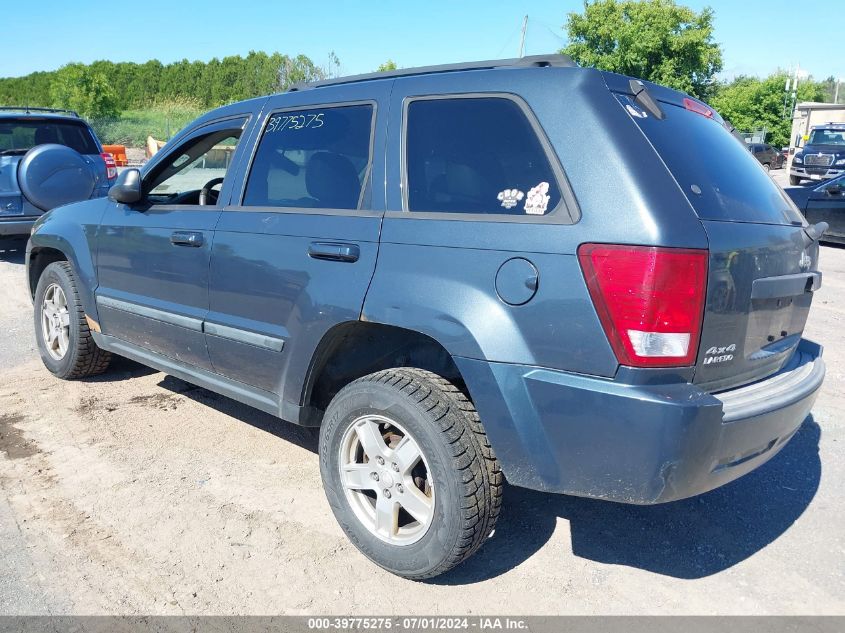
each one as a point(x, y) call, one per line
point(18, 136)
point(721, 178)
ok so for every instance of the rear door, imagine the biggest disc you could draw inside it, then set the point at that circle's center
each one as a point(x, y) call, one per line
point(763, 265)
point(294, 255)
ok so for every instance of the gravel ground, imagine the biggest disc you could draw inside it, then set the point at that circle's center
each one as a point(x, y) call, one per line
point(136, 493)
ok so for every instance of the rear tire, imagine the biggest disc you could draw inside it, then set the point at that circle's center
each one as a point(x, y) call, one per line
point(415, 522)
point(767, 167)
point(794, 180)
point(64, 339)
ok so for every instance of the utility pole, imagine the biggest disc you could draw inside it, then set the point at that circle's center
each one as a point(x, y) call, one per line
point(836, 92)
point(522, 39)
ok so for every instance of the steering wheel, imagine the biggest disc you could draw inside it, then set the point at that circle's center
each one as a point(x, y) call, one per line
point(206, 192)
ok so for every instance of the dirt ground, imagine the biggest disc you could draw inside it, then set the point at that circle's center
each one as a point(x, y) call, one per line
point(136, 493)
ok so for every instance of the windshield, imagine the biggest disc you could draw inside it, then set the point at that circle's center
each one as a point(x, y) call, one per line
point(827, 137)
point(18, 136)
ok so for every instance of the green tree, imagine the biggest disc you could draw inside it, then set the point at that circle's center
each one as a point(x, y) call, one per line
point(750, 103)
point(656, 40)
point(87, 91)
point(104, 88)
point(388, 65)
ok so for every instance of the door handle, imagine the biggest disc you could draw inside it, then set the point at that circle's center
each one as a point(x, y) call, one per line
point(334, 252)
point(186, 238)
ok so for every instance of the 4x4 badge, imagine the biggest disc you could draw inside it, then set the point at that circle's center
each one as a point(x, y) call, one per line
point(805, 262)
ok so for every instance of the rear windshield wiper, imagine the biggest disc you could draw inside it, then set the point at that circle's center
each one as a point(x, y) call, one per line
point(815, 231)
point(643, 98)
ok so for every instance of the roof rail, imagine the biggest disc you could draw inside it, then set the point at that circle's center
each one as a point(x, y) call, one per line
point(29, 110)
point(531, 61)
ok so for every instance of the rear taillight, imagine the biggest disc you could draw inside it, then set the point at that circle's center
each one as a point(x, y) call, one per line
point(650, 300)
point(111, 166)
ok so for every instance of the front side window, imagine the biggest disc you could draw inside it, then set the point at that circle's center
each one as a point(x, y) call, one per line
point(312, 158)
point(476, 155)
point(201, 163)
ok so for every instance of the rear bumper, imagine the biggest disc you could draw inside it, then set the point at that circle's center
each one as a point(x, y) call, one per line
point(18, 226)
point(642, 444)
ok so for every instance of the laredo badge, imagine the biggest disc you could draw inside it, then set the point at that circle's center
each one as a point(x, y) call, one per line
point(537, 200)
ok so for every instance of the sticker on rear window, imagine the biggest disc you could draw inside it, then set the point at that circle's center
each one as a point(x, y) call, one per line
point(510, 197)
point(635, 111)
point(537, 200)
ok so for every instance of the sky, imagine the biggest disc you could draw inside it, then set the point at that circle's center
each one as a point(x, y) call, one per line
point(757, 36)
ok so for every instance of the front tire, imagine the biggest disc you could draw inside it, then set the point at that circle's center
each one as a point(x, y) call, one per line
point(64, 339)
point(408, 471)
point(794, 180)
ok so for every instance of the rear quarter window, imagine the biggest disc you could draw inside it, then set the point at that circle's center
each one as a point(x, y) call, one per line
point(721, 178)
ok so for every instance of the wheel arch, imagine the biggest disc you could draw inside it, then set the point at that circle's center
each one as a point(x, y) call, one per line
point(47, 249)
point(39, 259)
point(354, 349)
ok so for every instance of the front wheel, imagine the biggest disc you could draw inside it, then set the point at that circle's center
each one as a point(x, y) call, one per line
point(408, 471)
point(794, 180)
point(64, 339)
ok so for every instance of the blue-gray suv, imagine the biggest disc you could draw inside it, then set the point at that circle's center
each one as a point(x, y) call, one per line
point(48, 157)
point(511, 270)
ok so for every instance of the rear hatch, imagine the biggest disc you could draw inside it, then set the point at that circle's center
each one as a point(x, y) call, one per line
point(19, 134)
point(762, 266)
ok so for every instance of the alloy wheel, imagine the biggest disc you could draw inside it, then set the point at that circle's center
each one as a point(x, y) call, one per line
point(386, 480)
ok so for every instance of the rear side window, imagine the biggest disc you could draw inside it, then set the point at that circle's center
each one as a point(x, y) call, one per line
point(721, 178)
point(476, 155)
point(21, 135)
point(312, 158)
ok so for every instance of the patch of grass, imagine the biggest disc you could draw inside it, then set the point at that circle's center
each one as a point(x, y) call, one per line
point(160, 120)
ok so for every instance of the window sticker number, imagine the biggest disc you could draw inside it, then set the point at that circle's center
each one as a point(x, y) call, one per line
point(281, 122)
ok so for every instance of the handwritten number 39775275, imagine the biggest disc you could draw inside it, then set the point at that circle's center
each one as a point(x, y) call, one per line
point(294, 122)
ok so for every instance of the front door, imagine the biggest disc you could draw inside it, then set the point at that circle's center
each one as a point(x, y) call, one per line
point(295, 257)
point(153, 256)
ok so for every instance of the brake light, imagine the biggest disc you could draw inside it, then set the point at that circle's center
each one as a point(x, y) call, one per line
point(650, 300)
point(698, 108)
point(111, 165)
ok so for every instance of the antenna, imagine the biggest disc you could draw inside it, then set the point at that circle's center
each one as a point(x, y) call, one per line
point(522, 39)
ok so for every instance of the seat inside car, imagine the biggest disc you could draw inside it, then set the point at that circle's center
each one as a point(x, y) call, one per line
point(332, 180)
point(46, 134)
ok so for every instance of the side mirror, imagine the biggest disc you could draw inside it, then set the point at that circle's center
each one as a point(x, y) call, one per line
point(127, 189)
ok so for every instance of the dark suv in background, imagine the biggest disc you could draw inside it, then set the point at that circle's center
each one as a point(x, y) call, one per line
point(434, 267)
point(768, 156)
point(47, 157)
point(823, 155)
